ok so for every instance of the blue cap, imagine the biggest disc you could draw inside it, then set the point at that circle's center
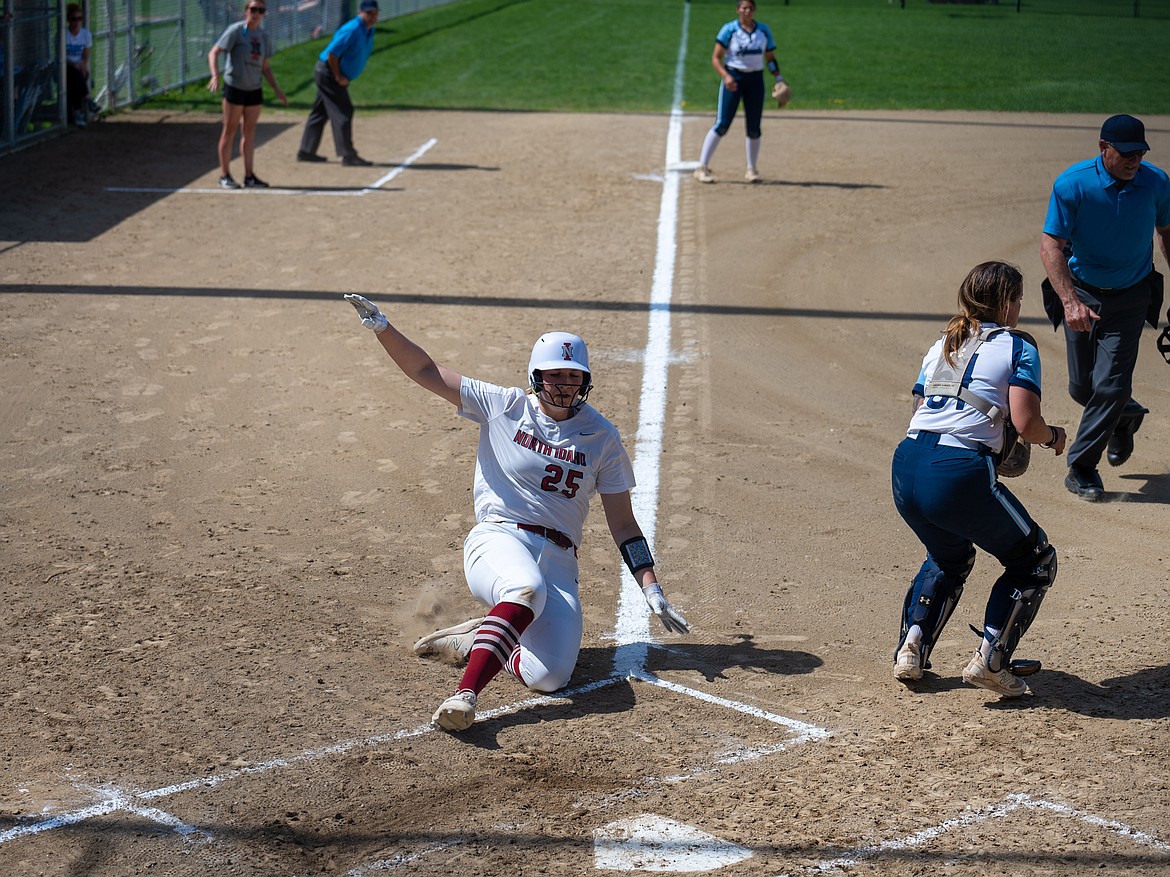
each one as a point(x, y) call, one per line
point(1126, 133)
point(367, 5)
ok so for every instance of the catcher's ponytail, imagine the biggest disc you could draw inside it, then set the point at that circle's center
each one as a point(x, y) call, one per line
point(984, 296)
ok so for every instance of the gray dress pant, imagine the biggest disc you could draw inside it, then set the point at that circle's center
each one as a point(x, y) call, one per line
point(1101, 363)
point(334, 106)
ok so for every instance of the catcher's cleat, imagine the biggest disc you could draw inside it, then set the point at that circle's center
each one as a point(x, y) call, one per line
point(452, 644)
point(703, 174)
point(1004, 682)
point(908, 665)
point(456, 713)
point(752, 175)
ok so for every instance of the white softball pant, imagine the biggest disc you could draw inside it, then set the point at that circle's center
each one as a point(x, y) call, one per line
point(506, 564)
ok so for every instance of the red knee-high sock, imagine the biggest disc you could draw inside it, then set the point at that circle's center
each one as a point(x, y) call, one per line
point(496, 639)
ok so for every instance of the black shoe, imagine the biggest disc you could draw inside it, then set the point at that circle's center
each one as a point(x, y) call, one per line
point(226, 182)
point(310, 156)
point(251, 181)
point(1085, 483)
point(1120, 446)
point(355, 160)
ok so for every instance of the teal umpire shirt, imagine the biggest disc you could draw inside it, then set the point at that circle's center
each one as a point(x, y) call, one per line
point(351, 44)
point(1109, 223)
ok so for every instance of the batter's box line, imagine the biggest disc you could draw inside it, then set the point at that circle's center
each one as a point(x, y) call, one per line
point(119, 801)
point(974, 817)
point(129, 801)
point(346, 193)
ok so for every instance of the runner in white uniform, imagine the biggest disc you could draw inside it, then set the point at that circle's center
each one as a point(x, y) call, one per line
point(543, 454)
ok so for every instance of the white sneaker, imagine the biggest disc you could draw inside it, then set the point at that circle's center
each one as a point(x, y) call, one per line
point(908, 664)
point(1004, 683)
point(703, 174)
point(456, 713)
point(752, 175)
point(451, 644)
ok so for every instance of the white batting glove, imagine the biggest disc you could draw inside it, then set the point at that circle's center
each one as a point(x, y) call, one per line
point(670, 618)
point(372, 318)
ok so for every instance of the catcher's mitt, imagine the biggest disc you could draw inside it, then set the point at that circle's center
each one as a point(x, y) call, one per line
point(781, 93)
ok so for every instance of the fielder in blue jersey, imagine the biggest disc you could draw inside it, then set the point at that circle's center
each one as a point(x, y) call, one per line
point(743, 48)
point(974, 379)
point(343, 61)
point(1098, 250)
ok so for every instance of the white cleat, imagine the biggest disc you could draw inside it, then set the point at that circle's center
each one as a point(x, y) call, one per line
point(451, 644)
point(908, 665)
point(456, 713)
point(1004, 682)
point(752, 175)
point(703, 174)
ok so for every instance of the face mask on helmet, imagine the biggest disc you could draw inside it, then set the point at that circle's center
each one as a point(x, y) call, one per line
point(559, 350)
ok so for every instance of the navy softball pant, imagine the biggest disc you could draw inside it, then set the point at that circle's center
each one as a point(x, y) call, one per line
point(749, 88)
point(952, 500)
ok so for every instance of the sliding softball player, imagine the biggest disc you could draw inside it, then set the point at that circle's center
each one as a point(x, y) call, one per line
point(543, 453)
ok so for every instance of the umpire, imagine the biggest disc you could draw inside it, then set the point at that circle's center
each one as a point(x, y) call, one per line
point(1098, 251)
point(343, 61)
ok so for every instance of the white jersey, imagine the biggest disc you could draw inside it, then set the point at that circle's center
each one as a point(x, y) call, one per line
point(1006, 360)
point(531, 469)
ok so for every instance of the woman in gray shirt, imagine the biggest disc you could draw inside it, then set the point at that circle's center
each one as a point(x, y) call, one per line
point(248, 49)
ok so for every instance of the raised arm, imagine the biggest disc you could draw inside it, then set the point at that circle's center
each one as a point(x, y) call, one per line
point(414, 362)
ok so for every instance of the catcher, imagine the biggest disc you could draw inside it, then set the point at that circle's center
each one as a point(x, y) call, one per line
point(743, 48)
point(945, 485)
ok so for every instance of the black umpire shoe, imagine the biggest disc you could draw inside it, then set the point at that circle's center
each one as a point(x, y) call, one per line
point(1120, 445)
point(1085, 483)
point(356, 160)
point(310, 156)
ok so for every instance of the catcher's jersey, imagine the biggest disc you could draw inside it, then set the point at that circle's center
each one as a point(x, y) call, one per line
point(1004, 360)
point(532, 469)
point(745, 51)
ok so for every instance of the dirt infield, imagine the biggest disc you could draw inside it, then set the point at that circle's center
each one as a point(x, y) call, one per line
point(226, 516)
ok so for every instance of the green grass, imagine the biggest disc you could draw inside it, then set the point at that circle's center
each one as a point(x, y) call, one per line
point(1085, 56)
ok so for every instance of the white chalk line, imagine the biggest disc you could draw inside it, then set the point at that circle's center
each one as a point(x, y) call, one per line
point(401, 860)
point(128, 801)
point(975, 817)
point(342, 193)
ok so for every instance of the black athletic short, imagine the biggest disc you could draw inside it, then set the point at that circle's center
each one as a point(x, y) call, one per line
point(242, 98)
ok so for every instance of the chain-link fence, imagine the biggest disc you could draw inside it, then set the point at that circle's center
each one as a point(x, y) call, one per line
point(140, 48)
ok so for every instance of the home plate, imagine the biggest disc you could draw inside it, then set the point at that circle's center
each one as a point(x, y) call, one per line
point(655, 843)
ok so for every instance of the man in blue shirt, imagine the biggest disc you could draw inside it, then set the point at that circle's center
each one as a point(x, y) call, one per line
point(342, 62)
point(1098, 251)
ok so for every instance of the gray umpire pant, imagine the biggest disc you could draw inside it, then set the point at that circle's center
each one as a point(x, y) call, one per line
point(1101, 363)
point(334, 106)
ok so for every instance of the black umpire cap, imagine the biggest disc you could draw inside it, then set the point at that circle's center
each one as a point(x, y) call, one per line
point(1126, 133)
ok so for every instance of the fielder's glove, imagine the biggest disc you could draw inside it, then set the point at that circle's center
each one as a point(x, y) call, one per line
point(372, 318)
point(781, 93)
point(671, 620)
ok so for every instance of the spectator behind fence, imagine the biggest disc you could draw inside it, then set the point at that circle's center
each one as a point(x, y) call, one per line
point(248, 49)
point(78, 43)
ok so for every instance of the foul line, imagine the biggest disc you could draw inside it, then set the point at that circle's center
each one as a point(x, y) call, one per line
point(343, 193)
point(633, 622)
